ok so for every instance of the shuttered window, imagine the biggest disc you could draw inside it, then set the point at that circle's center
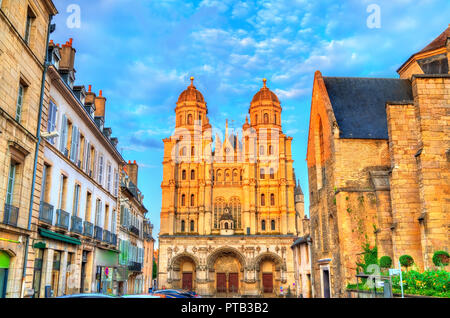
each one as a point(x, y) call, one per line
point(63, 134)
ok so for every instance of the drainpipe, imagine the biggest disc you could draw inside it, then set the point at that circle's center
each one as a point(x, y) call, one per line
point(36, 153)
point(311, 263)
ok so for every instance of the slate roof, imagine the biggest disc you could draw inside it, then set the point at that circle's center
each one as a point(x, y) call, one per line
point(359, 104)
point(438, 42)
point(300, 240)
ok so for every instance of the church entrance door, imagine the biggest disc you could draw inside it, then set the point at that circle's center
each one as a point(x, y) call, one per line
point(267, 279)
point(187, 281)
point(221, 280)
point(233, 282)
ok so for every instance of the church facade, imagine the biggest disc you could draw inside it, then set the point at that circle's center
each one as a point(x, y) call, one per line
point(228, 216)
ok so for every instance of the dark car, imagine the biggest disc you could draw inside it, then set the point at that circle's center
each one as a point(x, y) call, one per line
point(92, 295)
point(174, 293)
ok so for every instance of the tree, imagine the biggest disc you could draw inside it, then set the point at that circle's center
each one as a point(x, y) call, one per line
point(406, 261)
point(155, 269)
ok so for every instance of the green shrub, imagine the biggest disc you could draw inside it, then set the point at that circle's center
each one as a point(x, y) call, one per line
point(441, 258)
point(370, 256)
point(406, 261)
point(385, 262)
point(428, 283)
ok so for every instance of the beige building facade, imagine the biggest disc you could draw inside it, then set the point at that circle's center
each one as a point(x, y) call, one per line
point(228, 216)
point(24, 29)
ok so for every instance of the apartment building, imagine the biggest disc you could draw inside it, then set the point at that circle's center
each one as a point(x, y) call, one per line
point(24, 32)
point(75, 242)
point(134, 236)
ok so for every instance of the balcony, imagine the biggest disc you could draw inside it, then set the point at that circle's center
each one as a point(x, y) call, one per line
point(11, 215)
point(106, 236)
point(134, 266)
point(134, 230)
point(62, 219)
point(88, 229)
point(98, 233)
point(114, 239)
point(66, 152)
point(77, 225)
point(46, 213)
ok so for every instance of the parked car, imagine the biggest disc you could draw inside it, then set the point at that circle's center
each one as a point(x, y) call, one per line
point(174, 293)
point(92, 295)
point(145, 296)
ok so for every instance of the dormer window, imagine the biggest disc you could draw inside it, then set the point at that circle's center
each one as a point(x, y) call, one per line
point(55, 58)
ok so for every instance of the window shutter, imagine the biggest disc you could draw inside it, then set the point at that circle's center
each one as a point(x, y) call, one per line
point(63, 135)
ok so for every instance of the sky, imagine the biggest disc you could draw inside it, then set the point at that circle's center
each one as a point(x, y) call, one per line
point(141, 53)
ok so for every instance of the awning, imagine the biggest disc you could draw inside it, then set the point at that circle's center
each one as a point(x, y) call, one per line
point(59, 237)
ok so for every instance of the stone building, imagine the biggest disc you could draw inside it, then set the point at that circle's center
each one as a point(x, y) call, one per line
point(378, 163)
point(302, 251)
point(134, 233)
point(24, 34)
point(75, 238)
point(228, 216)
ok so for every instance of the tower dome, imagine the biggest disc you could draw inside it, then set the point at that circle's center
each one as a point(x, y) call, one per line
point(191, 94)
point(265, 94)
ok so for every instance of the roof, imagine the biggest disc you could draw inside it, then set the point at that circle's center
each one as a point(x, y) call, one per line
point(191, 94)
point(359, 104)
point(439, 42)
point(265, 94)
point(301, 240)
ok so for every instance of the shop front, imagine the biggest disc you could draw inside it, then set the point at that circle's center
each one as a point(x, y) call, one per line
point(4, 267)
point(106, 264)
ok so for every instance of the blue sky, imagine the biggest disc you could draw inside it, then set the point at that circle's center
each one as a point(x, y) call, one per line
point(142, 53)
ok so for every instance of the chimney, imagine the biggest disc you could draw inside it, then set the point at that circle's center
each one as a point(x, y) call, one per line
point(67, 56)
point(100, 102)
point(132, 169)
point(114, 141)
point(89, 101)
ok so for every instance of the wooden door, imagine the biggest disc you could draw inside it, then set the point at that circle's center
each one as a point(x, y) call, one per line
point(233, 282)
point(187, 281)
point(267, 279)
point(221, 280)
point(326, 283)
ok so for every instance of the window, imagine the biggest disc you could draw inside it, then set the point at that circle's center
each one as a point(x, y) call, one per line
point(183, 226)
point(19, 105)
point(74, 145)
point(275, 118)
point(11, 182)
point(270, 150)
point(106, 219)
point(109, 177)
point(183, 175)
point(100, 170)
point(261, 173)
point(272, 173)
point(29, 23)
point(189, 118)
point(192, 151)
point(183, 200)
point(45, 186)
point(263, 200)
point(192, 200)
point(261, 150)
point(263, 225)
point(87, 216)
point(63, 135)
point(76, 199)
point(62, 192)
point(51, 122)
point(192, 226)
point(272, 199)
point(272, 225)
point(183, 151)
point(192, 174)
point(266, 118)
point(116, 183)
point(256, 119)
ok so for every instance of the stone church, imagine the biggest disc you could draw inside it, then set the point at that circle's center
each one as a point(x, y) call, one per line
point(229, 211)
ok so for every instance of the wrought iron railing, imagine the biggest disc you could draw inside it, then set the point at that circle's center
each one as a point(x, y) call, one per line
point(46, 212)
point(134, 266)
point(134, 230)
point(62, 219)
point(11, 215)
point(77, 225)
point(106, 236)
point(88, 229)
point(98, 233)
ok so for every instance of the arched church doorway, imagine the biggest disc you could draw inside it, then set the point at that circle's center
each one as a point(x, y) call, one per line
point(227, 268)
point(184, 271)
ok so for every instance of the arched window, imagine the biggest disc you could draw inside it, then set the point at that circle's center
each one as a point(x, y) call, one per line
point(192, 174)
point(183, 226)
point(219, 205)
point(270, 150)
point(192, 151)
point(235, 205)
point(272, 173)
point(272, 225)
point(261, 173)
point(266, 118)
point(180, 119)
point(192, 226)
point(227, 175)
point(192, 200)
point(263, 225)
point(200, 118)
point(183, 175)
point(272, 199)
point(183, 151)
point(219, 175)
point(256, 119)
point(275, 118)
point(261, 150)
point(226, 226)
point(183, 200)
point(189, 119)
point(263, 200)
